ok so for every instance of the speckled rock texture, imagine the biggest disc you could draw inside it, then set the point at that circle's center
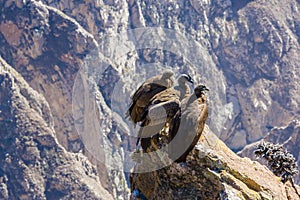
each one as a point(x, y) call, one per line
point(212, 171)
point(253, 46)
point(248, 91)
point(247, 54)
point(33, 164)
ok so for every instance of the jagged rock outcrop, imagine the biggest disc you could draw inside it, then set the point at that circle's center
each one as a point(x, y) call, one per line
point(261, 69)
point(33, 165)
point(48, 48)
point(247, 53)
point(212, 171)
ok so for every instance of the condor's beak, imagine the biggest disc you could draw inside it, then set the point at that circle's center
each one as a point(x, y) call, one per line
point(190, 80)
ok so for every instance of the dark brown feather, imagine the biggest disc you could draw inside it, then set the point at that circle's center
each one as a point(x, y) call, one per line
point(144, 93)
point(187, 126)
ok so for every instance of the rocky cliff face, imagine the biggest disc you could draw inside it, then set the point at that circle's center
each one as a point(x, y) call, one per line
point(248, 91)
point(33, 164)
point(245, 51)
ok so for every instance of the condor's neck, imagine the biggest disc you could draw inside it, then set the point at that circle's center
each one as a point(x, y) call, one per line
point(184, 89)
